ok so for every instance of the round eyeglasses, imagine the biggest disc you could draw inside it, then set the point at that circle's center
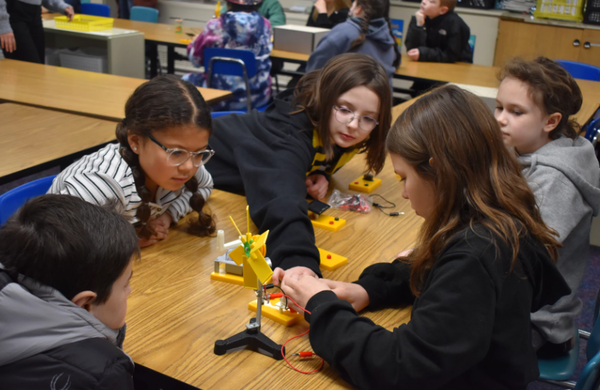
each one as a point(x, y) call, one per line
point(176, 157)
point(345, 116)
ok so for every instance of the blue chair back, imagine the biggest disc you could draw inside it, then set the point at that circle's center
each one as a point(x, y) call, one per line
point(95, 9)
point(143, 14)
point(580, 70)
point(231, 62)
point(216, 114)
point(593, 131)
point(15, 198)
point(232, 68)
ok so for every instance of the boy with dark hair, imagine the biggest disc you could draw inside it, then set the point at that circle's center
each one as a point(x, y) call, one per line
point(437, 34)
point(65, 266)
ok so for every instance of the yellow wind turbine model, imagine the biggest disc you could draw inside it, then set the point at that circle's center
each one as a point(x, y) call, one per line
point(252, 255)
point(257, 272)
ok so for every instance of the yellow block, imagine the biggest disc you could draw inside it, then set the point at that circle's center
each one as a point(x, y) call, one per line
point(331, 261)
point(327, 222)
point(228, 278)
point(286, 317)
point(362, 185)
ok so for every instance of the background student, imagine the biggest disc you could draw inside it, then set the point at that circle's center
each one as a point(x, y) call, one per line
point(368, 32)
point(21, 30)
point(65, 266)
point(535, 102)
point(241, 27)
point(328, 13)
point(482, 262)
point(156, 172)
point(270, 10)
point(437, 34)
point(279, 156)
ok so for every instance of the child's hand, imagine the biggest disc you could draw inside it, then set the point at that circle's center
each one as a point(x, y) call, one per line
point(7, 42)
point(70, 12)
point(302, 287)
point(351, 292)
point(413, 54)
point(161, 230)
point(321, 6)
point(278, 273)
point(317, 185)
point(420, 16)
point(405, 253)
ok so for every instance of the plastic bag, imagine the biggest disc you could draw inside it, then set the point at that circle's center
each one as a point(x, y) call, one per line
point(358, 202)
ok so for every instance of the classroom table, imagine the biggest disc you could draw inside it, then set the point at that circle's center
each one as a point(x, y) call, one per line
point(33, 139)
point(86, 93)
point(176, 313)
point(154, 34)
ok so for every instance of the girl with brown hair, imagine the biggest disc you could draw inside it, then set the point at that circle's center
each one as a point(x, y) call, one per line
point(155, 173)
point(482, 263)
point(279, 156)
point(368, 31)
point(535, 103)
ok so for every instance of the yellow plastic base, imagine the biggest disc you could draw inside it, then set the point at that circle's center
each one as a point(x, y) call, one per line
point(333, 262)
point(286, 318)
point(327, 222)
point(228, 278)
point(362, 185)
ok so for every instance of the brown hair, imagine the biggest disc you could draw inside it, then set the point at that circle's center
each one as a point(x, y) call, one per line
point(164, 102)
point(375, 9)
point(337, 5)
point(318, 91)
point(551, 88)
point(477, 179)
point(448, 3)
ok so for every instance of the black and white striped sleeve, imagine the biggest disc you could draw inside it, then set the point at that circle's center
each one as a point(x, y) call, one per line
point(181, 206)
point(93, 187)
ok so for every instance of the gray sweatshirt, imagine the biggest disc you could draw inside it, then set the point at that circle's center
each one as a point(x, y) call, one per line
point(565, 178)
point(52, 5)
point(35, 318)
point(378, 43)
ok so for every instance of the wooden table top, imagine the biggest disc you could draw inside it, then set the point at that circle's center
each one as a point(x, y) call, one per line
point(176, 313)
point(157, 32)
point(76, 91)
point(31, 136)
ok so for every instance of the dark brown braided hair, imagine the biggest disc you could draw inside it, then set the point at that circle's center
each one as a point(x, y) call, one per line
point(164, 102)
point(375, 9)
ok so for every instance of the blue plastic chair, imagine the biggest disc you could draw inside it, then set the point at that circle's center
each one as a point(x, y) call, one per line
point(557, 371)
point(580, 70)
point(216, 114)
point(95, 9)
point(232, 62)
point(143, 14)
point(593, 131)
point(15, 198)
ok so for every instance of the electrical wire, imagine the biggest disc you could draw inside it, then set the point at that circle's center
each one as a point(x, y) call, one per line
point(301, 353)
point(389, 206)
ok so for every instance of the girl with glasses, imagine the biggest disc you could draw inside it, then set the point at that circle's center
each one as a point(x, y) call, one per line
point(156, 172)
point(278, 157)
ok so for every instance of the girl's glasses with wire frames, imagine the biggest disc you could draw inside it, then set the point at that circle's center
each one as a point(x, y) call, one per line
point(176, 157)
point(345, 116)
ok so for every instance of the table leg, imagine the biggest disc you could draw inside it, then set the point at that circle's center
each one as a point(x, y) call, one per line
point(170, 59)
point(153, 53)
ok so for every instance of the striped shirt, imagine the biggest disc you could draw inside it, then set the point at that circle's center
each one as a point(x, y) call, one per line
point(105, 176)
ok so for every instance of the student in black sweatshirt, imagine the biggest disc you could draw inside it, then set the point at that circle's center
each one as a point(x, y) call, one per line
point(279, 156)
point(437, 34)
point(483, 262)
